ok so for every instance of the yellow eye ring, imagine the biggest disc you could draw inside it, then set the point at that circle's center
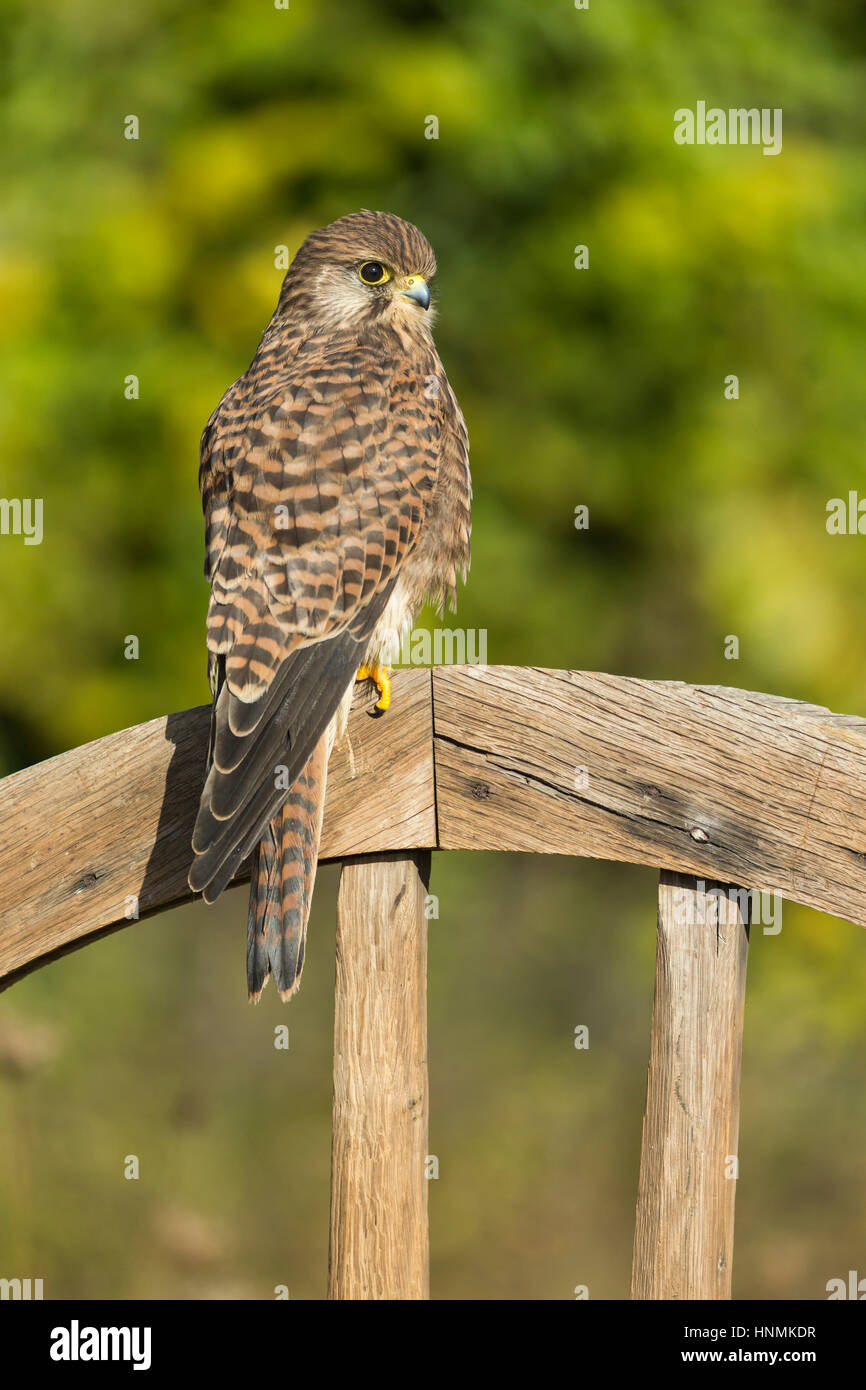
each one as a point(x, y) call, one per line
point(373, 273)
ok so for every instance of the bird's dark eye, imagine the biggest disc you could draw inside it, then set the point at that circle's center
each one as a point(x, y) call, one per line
point(373, 273)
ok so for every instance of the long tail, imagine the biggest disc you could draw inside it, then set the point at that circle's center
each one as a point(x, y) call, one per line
point(281, 887)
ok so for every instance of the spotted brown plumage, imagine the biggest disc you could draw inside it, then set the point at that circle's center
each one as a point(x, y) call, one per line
point(335, 484)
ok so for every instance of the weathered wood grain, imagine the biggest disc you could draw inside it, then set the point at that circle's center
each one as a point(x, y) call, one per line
point(379, 1246)
point(91, 837)
point(684, 1232)
point(721, 783)
point(381, 794)
point(712, 781)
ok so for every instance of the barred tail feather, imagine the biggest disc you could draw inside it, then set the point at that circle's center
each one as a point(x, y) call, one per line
point(281, 887)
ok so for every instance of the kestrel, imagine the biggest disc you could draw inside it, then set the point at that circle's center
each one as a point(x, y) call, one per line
point(336, 491)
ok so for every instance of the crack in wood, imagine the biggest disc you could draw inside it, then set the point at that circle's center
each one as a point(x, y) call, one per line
point(739, 767)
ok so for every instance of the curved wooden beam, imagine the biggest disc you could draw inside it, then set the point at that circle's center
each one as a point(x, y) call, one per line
point(725, 784)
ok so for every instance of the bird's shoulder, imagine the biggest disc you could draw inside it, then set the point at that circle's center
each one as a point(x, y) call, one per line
point(327, 399)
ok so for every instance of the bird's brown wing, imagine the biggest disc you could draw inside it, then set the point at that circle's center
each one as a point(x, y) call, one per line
point(315, 481)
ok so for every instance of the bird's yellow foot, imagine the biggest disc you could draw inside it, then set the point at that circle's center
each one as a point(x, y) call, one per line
point(381, 676)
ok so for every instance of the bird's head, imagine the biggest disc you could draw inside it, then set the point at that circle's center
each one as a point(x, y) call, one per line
point(367, 268)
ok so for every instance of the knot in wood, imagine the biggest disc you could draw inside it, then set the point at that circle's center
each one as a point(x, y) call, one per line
point(86, 881)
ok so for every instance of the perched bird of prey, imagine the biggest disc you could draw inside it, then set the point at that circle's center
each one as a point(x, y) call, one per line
point(335, 484)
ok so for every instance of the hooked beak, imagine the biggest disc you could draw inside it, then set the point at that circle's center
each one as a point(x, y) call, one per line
point(415, 288)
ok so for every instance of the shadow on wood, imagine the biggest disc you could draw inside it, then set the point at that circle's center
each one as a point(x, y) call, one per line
point(712, 785)
point(720, 783)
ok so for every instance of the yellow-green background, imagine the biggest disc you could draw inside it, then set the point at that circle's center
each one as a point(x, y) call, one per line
point(602, 387)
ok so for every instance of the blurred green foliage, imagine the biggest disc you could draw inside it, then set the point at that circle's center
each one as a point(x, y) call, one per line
point(601, 387)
